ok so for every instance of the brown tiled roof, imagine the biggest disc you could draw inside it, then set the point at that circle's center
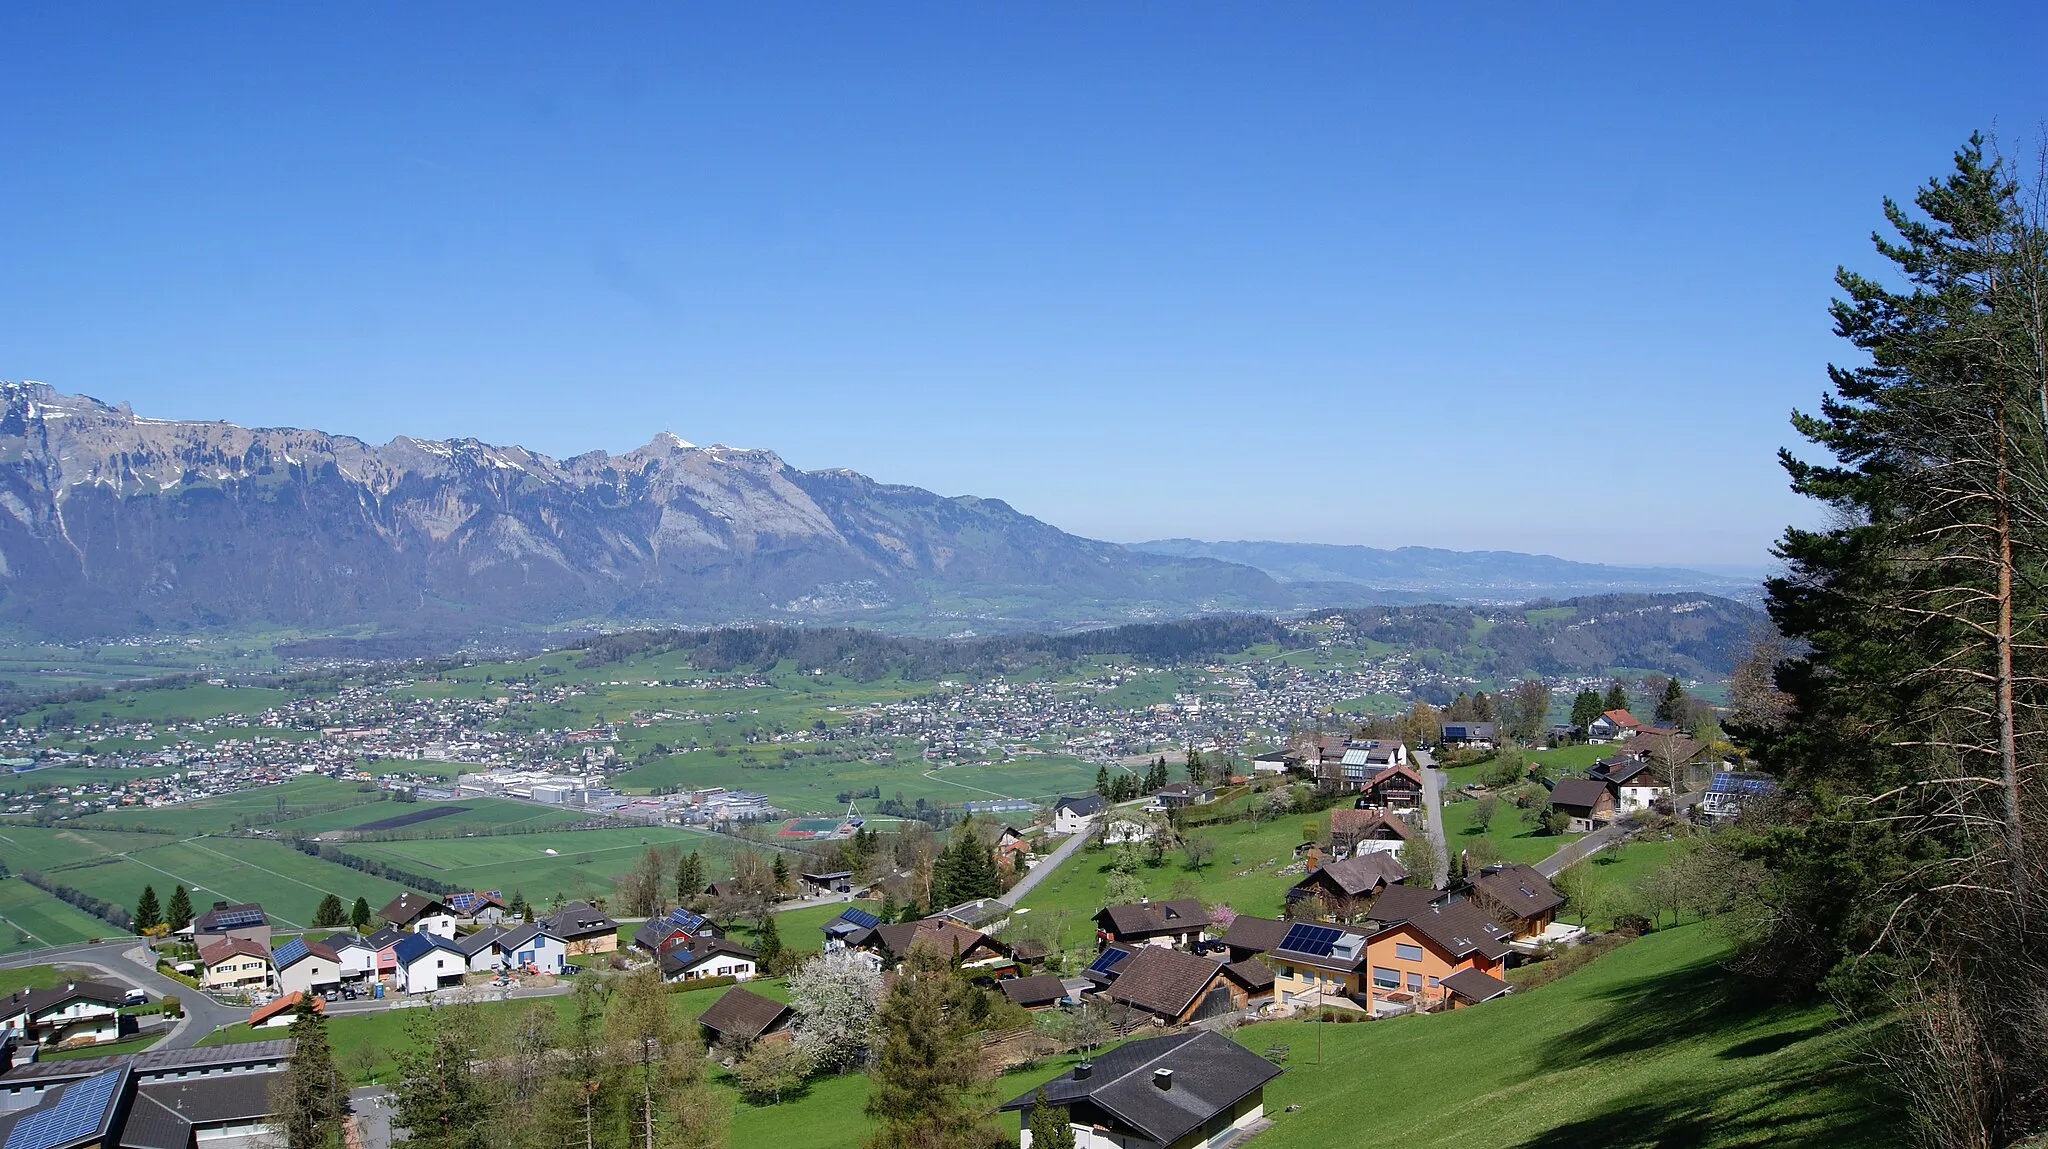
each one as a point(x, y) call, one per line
point(942, 935)
point(230, 947)
point(1577, 793)
point(1251, 973)
point(1475, 986)
point(1176, 916)
point(1400, 903)
point(284, 1004)
point(742, 1014)
point(1461, 929)
point(1162, 981)
point(1257, 934)
point(1038, 989)
point(1360, 874)
point(1518, 889)
point(1361, 824)
point(407, 908)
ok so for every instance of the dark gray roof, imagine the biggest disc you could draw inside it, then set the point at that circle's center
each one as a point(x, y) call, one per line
point(580, 920)
point(1475, 986)
point(153, 1125)
point(1577, 793)
point(680, 958)
point(1461, 929)
point(1251, 973)
point(1210, 1073)
point(35, 1001)
point(1359, 874)
point(1256, 934)
point(1162, 981)
point(1038, 989)
point(1137, 920)
point(346, 939)
point(1400, 903)
point(80, 1113)
point(215, 1099)
point(519, 935)
point(154, 1062)
point(1084, 805)
point(1521, 890)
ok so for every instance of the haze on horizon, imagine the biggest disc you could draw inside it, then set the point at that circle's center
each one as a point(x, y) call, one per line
point(1471, 280)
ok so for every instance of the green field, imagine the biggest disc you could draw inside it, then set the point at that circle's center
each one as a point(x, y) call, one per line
point(47, 921)
point(49, 848)
point(305, 795)
point(288, 883)
point(477, 814)
point(584, 864)
point(174, 704)
point(1514, 839)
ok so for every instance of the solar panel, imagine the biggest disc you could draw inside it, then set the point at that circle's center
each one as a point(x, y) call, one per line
point(1102, 963)
point(289, 952)
point(1304, 938)
point(236, 919)
point(861, 918)
point(78, 1113)
point(683, 919)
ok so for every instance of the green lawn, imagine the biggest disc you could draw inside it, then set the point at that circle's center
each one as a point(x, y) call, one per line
point(1651, 1045)
point(1514, 839)
point(46, 921)
point(39, 848)
point(1570, 759)
point(33, 977)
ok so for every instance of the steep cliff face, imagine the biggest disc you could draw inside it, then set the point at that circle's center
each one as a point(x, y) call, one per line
point(111, 523)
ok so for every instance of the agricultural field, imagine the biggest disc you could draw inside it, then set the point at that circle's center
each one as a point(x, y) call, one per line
point(584, 863)
point(287, 882)
point(812, 785)
point(469, 815)
point(260, 805)
point(51, 777)
point(49, 849)
point(167, 704)
point(44, 920)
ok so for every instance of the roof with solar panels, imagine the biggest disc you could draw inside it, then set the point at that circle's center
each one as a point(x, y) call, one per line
point(223, 917)
point(124, 1103)
point(1325, 946)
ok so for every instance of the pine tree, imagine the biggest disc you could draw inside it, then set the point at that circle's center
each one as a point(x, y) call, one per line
point(1617, 697)
point(768, 941)
point(928, 1076)
point(329, 913)
point(309, 1098)
point(359, 914)
point(1671, 707)
point(690, 878)
point(1585, 708)
point(889, 908)
point(148, 915)
point(1102, 780)
point(440, 1098)
point(1050, 1128)
point(1482, 707)
point(179, 913)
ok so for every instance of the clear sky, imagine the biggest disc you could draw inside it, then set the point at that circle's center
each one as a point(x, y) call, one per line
point(1480, 276)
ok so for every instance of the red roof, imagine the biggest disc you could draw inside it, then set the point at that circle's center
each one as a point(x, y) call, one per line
point(231, 947)
point(1623, 719)
point(284, 1004)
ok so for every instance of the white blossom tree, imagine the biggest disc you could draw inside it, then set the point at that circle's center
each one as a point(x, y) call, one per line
point(836, 996)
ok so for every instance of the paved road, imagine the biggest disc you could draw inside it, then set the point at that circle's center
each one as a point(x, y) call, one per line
point(202, 1013)
point(1584, 848)
point(1433, 795)
point(1042, 870)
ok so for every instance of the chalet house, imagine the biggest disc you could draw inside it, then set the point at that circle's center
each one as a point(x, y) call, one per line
point(678, 927)
point(245, 922)
point(1248, 937)
point(969, 947)
point(427, 962)
point(78, 1012)
point(1178, 922)
point(741, 1017)
point(480, 907)
point(1039, 991)
point(1391, 788)
point(282, 1010)
point(235, 964)
point(357, 957)
point(1176, 987)
point(710, 957)
point(532, 945)
point(1636, 782)
point(419, 913)
point(1613, 726)
point(1345, 885)
point(1588, 803)
point(480, 949)
point(1364, 830)
point(1478, 735)
point(122, 1104)
point(1071, 815)
point(585, 928)
point(1731, 790)
point(1518, 897)
point(1409, 961)
point(306, 967)
point(850, 928)
point(1189, 1091)
point(1178, 795)
point(1360, 763)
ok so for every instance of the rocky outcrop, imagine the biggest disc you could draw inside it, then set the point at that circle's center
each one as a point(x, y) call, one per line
point(111, 523)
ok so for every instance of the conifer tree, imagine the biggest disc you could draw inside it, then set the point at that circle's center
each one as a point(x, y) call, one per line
point(1617, 697)
point(440, 1097)
point(1050, 1128)
point(329, 913)
point(179, 912)
point(768, 941)
point(1586, 707)
point(928, 1076)
point(309, 1099)
point(690, 878)
point(781, 873)
point(1671, 707)
point(148, 915)
point(1102, 780)
point(359, 914)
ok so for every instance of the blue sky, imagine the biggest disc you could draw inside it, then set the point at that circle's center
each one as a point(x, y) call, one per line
point(1475, 276)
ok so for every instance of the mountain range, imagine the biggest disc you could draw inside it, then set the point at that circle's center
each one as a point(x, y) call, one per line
point(112, 524)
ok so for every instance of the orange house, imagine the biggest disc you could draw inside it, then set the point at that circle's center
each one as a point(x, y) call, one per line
point(1413, 958)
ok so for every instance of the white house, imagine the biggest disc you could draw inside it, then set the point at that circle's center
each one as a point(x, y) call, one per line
point(482, 950)
point(428, 961)
point(420, 914)
point(1637, 783)
point(1193, 1090)
point(78, 1011)
point(305, 967)
point(1274, 762)
point(532, 944)
point(1071, 815)
point(710, 957)
point(357, 958)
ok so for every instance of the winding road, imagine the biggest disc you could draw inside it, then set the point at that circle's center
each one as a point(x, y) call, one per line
point(116, 958)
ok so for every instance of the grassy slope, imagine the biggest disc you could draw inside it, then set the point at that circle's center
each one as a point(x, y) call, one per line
point(48, 921)
point(1652, 1045)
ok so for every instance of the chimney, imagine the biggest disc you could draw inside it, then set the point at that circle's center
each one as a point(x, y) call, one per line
point(1082, 1070)
point(1163, 1078)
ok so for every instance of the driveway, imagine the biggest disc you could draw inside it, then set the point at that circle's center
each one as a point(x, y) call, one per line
point(1433, 797)
point(1044, 869)
point(1584, 848)
point(116, 959)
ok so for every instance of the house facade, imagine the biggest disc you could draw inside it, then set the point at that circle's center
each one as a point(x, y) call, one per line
point(75, 1013)
point(1072, 815)
point(1194, 1090)
point(532, 946)
point(1408, 962)
point(427, 962)
point(236, 965)
point(585, 929)
point(420, 914)
point(1586, 801)
point(1174, 922)
point(710, 957)
point(306, 967)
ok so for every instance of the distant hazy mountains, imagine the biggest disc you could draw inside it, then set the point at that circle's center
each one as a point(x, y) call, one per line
point(1494, 576)
point(113, 524)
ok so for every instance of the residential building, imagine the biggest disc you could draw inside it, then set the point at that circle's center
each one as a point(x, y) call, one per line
point(1636, 782)
point(235, 964)
point(1345, 886)
point(77, 1012)
point(850, 928)
point(480, 907)
point(1248, 937)
point(1365, 830)
point(1274, 762)
point(419, 914)
point(1192, 1090)
point(1477, 735)
point(1177, 795)
point(1326, 961)
point(121, 1106)
point(427, 962)
point(710, 957)
point(1517, 896)
point(585, 928)
point(357, 957)
point(740, 1017)
point(1731, 790)
point(480, 949)
point(1175, 922)
point(970, 947)
point(245, 922)
point(1175, 986)
point(1409, 960)
point(1039, 991)
point(385, 943)
point(532, 946)
point(1120, 827)
point(1391, 788)
point(306, 967)
point(1071, 815)
point(1613, 726)
point(281, 1009)
point(1587, 801)
point(677, 927)
point(1470, 987)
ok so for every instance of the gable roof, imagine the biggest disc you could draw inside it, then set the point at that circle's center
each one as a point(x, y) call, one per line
point(247, 915)
point(1257, 934)
point(1162, 981)
point(78, 1113)
point(1359, 874)
point(385, 938)
point(1468, 731)
point(346, 939)
point(1460, 929)
point(1475, 985)
point(679, 958)
point(1138, 919)
point(35, 1001)
point(1251, 973)
point(226, 948)
point(296, 950)
point(1519, 889)
point(519, 935)
point(1621, 718)
point(471, 945)
point(1399, 903)
point(1038, 989)
point(581, 920)
point(1084, 805)
point(1210, 1074)
point(283, 1004)
point(407, 908)
point(474, 902)
point(1362, 823)
point(742, 1014)
point(941, 934)
point(413, 947)
point(1578, 793)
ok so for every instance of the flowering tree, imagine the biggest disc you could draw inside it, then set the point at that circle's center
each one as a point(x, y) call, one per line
point(835, 996)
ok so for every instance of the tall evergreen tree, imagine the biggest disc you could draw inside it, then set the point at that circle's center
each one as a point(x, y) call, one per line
point(179, 912)
point(781, 874)
point(928, 1078)
point(1585, 708)
point(441, 1099)
point(309, 1099)
point(768, 940)
point(1671, 707)
point(1617, 697)
point(329, 913)
point(1102, 780)
point(148, 915)
point(1050, 1127)
point(690, 878)
point(359, 914)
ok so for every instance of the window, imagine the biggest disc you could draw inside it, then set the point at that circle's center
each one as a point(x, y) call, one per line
point(1384, 978)
point(1433, 983)
point(1414, 983)
point(1406, 952)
